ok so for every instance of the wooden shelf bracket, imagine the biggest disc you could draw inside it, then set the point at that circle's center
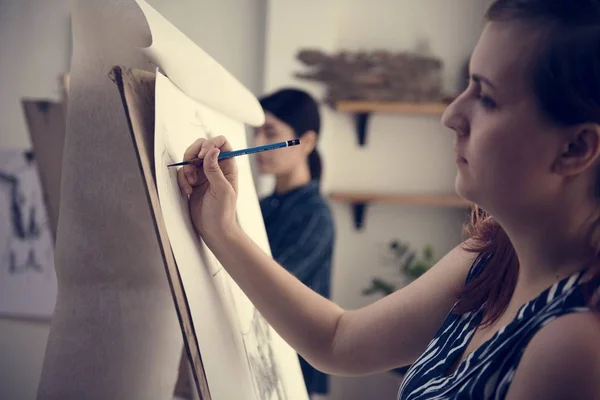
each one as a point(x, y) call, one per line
point(358, 213)
point(362, 122)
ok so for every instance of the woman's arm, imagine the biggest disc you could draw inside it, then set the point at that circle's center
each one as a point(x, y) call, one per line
point(304, 319)
point(386, 334)
point(389, 333)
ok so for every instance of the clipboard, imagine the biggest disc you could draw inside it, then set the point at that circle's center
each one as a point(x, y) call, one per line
point(136, 88)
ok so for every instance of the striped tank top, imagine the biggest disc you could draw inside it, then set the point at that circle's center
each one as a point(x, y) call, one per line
point(488, 371)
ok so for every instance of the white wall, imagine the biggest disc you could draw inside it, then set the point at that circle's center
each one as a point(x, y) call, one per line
point(231, 31)
point(35, 51)
point(403, 154)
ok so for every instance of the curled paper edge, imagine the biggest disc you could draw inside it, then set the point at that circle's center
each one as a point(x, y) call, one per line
point(196, 73)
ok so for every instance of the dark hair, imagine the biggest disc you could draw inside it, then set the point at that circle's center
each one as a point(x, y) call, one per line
point(300, 111)
point(566, 82)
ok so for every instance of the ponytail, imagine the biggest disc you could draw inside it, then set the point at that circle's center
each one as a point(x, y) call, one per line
point(315, 165)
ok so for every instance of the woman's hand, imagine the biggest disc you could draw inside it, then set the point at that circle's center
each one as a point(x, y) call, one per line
point(211, 187)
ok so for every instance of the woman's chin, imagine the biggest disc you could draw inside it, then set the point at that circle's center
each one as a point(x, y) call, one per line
point(463, 190)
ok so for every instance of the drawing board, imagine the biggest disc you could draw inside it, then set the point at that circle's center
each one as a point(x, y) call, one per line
point(137, 93)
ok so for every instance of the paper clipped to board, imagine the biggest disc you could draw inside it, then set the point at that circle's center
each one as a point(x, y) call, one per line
point(201, 99)
point(235, 341)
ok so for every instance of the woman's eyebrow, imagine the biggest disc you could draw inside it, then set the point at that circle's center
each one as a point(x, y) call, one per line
point(478, 78)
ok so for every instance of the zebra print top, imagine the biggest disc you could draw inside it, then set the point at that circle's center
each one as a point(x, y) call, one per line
point(488, 371)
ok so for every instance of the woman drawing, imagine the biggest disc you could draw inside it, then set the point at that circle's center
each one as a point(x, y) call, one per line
point(512, 312)
point(298, 220)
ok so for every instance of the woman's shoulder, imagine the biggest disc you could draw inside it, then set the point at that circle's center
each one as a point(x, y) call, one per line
point(321, 207)
point(563, 358)
point(314, 201)
point(317, 208)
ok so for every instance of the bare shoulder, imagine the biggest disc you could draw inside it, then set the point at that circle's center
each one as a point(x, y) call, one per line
point(561, 361)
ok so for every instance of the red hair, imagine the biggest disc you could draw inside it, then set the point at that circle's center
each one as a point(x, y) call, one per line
point(493, 287)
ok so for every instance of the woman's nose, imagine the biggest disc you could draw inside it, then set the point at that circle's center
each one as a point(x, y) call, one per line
point(455, 117)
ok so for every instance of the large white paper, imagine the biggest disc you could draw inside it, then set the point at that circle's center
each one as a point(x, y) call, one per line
point(197, 73)
point(243, 357)
point(27, 278)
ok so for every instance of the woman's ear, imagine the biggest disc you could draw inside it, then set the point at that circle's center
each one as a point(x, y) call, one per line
point(308, 141)
point(581, 152)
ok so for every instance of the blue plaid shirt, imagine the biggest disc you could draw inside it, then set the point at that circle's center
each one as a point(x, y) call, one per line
point(301, 234)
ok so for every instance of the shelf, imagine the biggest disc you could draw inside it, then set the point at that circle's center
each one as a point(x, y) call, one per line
point(359, 201)
point(426, 109)
point(363, 109)
point(443, 200)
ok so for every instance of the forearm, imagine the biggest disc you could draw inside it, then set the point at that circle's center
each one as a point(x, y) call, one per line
point(303, 318)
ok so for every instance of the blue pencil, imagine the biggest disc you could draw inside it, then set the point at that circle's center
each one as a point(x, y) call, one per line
point(250, 150)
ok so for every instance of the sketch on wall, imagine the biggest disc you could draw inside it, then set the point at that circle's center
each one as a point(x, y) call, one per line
point(234, 339)
point(27, 277)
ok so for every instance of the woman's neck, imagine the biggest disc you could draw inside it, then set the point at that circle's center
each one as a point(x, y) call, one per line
point(296, 178)
point(549, 249)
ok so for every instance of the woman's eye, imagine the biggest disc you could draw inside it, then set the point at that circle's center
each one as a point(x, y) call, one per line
point(487, 102)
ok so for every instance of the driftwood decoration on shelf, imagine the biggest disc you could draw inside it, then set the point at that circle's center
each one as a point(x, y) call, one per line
point(379, 75)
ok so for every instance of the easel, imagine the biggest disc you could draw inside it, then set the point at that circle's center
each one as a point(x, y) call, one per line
point(136, 88)
point(46, 121)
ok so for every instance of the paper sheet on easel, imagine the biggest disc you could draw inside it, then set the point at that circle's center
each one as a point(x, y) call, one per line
point(199, 99)
point(235, 341)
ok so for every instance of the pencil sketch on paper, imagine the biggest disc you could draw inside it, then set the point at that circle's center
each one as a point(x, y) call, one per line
point(262, 360)
point(258, 345)
point(26, 244)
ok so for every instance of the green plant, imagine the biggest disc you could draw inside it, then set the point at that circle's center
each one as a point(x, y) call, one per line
point(379, 285)
point(411, 266)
